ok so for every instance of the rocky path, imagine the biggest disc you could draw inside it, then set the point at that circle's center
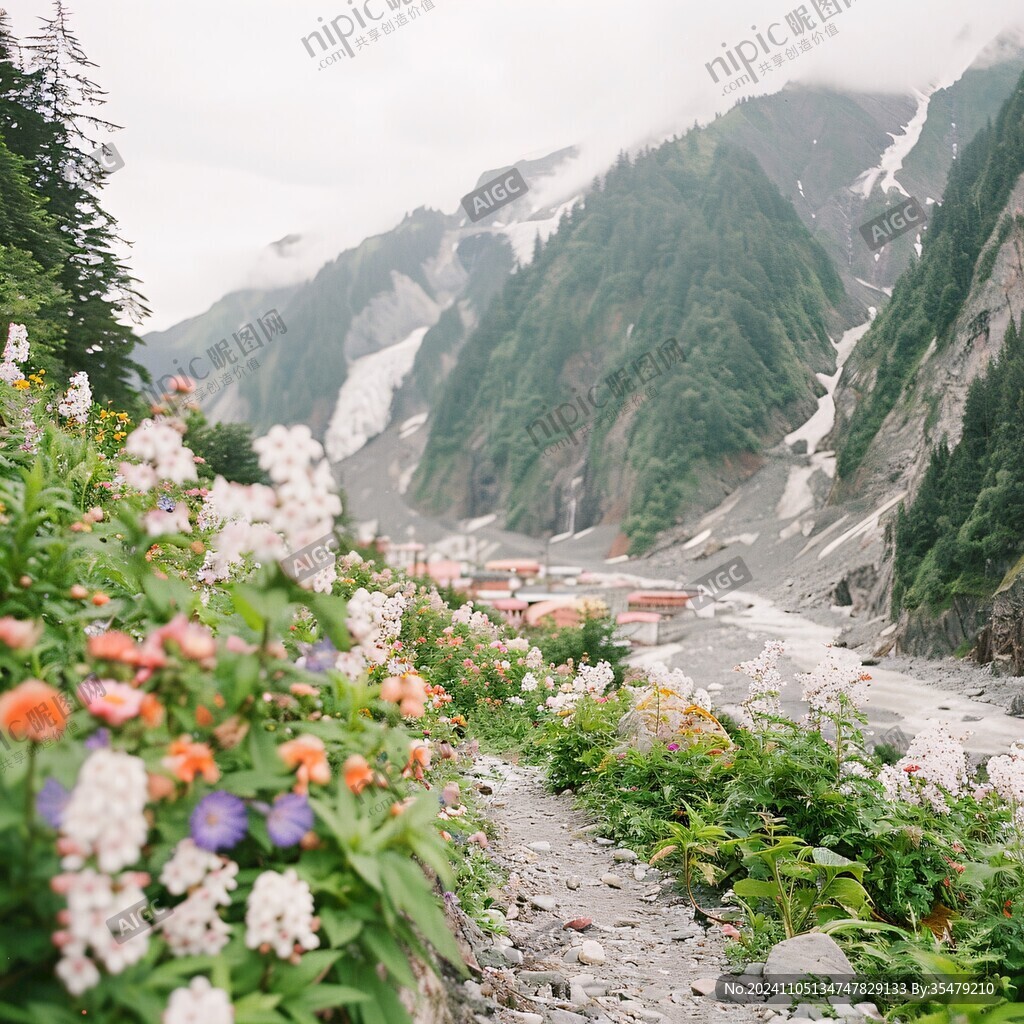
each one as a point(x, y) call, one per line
point(633, 950)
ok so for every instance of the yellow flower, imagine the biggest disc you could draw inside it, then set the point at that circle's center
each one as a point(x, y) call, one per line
point(22, 385)
point(100, 435)
point(104, 414)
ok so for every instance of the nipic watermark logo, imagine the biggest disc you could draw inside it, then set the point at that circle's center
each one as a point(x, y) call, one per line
point(361, 28)
point(896, 221)
point(506, 188)
point(720, 581)
point(308, 561)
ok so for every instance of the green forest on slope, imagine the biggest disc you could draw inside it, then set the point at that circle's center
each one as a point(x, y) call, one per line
point(965, 527)
point(60, 274)
point(928, 298)
point(689, 241)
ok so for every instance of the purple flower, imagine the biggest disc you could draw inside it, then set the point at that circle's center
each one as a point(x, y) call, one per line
point(673, 746)
point(165, 503)
point(219, 821)
point(51, 801)
point(98, 740)
point(289, 819)
point(318, 657)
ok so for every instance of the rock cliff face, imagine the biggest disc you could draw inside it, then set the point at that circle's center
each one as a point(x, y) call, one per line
point(1001, 642)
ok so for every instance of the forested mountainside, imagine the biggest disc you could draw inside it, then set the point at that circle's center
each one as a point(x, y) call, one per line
point(59, 271)
point(812, 143)
point(939, 407)
point(929, 298)
point(690, 241)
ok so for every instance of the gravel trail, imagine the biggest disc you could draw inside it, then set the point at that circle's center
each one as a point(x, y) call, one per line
point(635, 961)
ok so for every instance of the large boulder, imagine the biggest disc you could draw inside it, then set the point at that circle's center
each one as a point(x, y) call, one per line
point(813, 953)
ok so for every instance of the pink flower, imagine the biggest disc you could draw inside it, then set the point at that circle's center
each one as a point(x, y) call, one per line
point(730, 932)
point(236, 645)
point(195, 642)
point(19, 634)
point(117, 704)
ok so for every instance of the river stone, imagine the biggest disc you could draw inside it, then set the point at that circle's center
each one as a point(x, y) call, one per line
point(612, 880)
point(624, 856)
point(704, 986)
point(592, 952)
point(541, 846)
point(573, 882)
point(544, 902)
point(812, 953)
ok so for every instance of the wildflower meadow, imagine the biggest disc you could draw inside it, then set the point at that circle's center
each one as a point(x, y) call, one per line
point(230, 797)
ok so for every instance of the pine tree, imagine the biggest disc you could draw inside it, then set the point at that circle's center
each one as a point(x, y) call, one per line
point(57, 137)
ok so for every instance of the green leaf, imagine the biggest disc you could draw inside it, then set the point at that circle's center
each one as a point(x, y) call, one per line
point(331, 612)
point(752, 887)
point(830, 859)
point(382, 946)
point(340, 930)
point(848, 893)
point(368, 868)
point(408, 888)
point(291, 979)
point(323, 997)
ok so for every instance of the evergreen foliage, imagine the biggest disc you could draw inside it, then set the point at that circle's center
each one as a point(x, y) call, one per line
point(691, 241)
point(59, 262)
point(927, 299)
point(965, 527)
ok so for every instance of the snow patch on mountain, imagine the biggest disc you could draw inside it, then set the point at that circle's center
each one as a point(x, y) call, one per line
point(364, 402)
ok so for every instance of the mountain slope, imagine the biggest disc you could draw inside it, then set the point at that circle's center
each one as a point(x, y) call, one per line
point(690, 242)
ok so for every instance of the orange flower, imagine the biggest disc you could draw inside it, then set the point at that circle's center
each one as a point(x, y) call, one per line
point(159, 787)
point(18, 634)
point(203, 717)
point(419, 758)
point(186, 759)
point(152, 711)
point(358, 774)
point(24, 706)
point(309, 754)
point(113, 646)
point(304, 690)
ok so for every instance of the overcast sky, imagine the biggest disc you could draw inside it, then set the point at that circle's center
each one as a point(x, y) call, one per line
point(234, 137)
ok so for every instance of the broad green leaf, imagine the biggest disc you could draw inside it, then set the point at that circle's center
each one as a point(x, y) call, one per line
point(751, 887)
point(323, 997)
point(382, 946)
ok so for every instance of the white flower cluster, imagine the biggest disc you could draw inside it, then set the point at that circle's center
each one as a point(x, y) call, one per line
point(935, 764)
point(535, 658)
point(836, 685)
point(271, 522)
point(766, 683)
point(663, 707)
point(164, 457)
point(590, 681)
point(195, 928)
point(529, 683)
point(279, 912)
point(105, 812)
point(15, 351)
point(93, 898)
point(475, 620)
point(680, 684)
point(77, 399)
point(374, 620)
point(200, 1003)
point(1006, 776)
